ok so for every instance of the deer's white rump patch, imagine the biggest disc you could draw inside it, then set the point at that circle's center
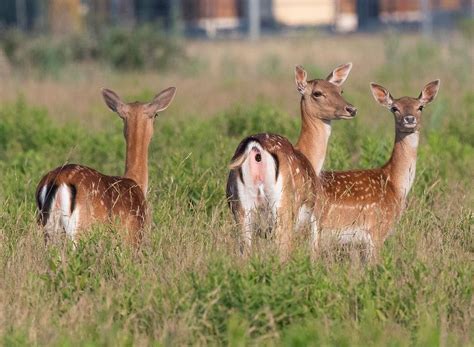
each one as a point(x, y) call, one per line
point(60, 213)
point(260, 186)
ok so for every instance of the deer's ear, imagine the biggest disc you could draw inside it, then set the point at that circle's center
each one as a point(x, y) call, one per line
point(112, 100)
point(339, 75)
point(381, 95)
point(301, 79)
point(161, 101)
point(429, 92)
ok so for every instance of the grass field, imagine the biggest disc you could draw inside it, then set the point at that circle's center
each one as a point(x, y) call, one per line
point(187, 284)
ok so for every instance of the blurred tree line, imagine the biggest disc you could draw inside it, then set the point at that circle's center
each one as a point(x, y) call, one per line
point(69, 16)
point(47, 35)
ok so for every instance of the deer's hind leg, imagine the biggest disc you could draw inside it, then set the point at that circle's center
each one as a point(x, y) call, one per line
point(243, 218)
point(315, 236)
point(284, 227)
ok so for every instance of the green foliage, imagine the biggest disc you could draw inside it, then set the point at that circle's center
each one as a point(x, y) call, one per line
point(466, 26)
point(145, 47)
point(241, 121)
point(405, 62)
point(374, 152)
point(270, 66)
point(142, 48)
point(187, 286)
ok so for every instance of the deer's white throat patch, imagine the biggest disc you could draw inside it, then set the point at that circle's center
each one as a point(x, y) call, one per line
point(324, 139)
point(408, 178)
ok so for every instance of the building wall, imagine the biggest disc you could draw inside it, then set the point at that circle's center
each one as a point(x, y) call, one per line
point(304, 12)
point(347, 6)
point(199, 9)
point(346, 15)
point(411, 5)
point(65, 16)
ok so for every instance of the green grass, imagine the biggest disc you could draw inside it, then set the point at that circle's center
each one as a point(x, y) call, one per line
point(188, 285)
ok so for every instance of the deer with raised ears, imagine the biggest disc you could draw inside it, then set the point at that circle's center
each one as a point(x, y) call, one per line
point(364, 205)
point(72, 197)
point(321, 103)
point(267, 172)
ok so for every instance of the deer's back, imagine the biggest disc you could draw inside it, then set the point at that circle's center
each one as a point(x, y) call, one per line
point(293, 166)
point(97, 196)
point(363, 199)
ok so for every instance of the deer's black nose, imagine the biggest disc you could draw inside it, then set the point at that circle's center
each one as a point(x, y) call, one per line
point(352, 110)
point(409, 119)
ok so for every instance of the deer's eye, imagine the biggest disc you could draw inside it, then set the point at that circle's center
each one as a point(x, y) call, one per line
point(342, 92)
point(420, 108)
point(317, 93)
point(394, 109)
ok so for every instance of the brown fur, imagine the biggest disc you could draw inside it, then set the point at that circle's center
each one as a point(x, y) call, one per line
point(365, 199)
point(100, 198)
point(373, 200)
point(321, 102)
point(106, 199)
point(299, 183)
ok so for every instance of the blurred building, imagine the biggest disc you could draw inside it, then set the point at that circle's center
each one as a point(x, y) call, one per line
point(342, 15)
point(304, 12)
point(214, 16)
point(360, 14)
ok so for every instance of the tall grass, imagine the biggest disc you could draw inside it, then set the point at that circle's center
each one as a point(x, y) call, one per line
point(188, 285)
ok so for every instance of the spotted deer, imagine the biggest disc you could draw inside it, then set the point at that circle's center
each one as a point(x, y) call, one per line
point(268, 173)
point(321, 103)
point(364, 205)
point(72, 197)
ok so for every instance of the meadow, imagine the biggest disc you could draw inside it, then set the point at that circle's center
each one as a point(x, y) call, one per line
point(188, 284)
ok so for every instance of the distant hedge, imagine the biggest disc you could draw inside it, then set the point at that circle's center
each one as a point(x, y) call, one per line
point(140, 48)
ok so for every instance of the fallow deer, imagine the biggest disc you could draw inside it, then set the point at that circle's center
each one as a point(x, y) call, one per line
point(268, 172)
point(363, 205)
point(321, 103)
point(72, 197)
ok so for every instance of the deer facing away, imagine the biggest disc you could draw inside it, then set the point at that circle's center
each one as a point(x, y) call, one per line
point(72, 197)
point(268, 172)
point(363, 205)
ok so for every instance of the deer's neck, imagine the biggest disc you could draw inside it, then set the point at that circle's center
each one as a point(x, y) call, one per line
point(402, 164)
point(313, 139)
point(136, 162)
